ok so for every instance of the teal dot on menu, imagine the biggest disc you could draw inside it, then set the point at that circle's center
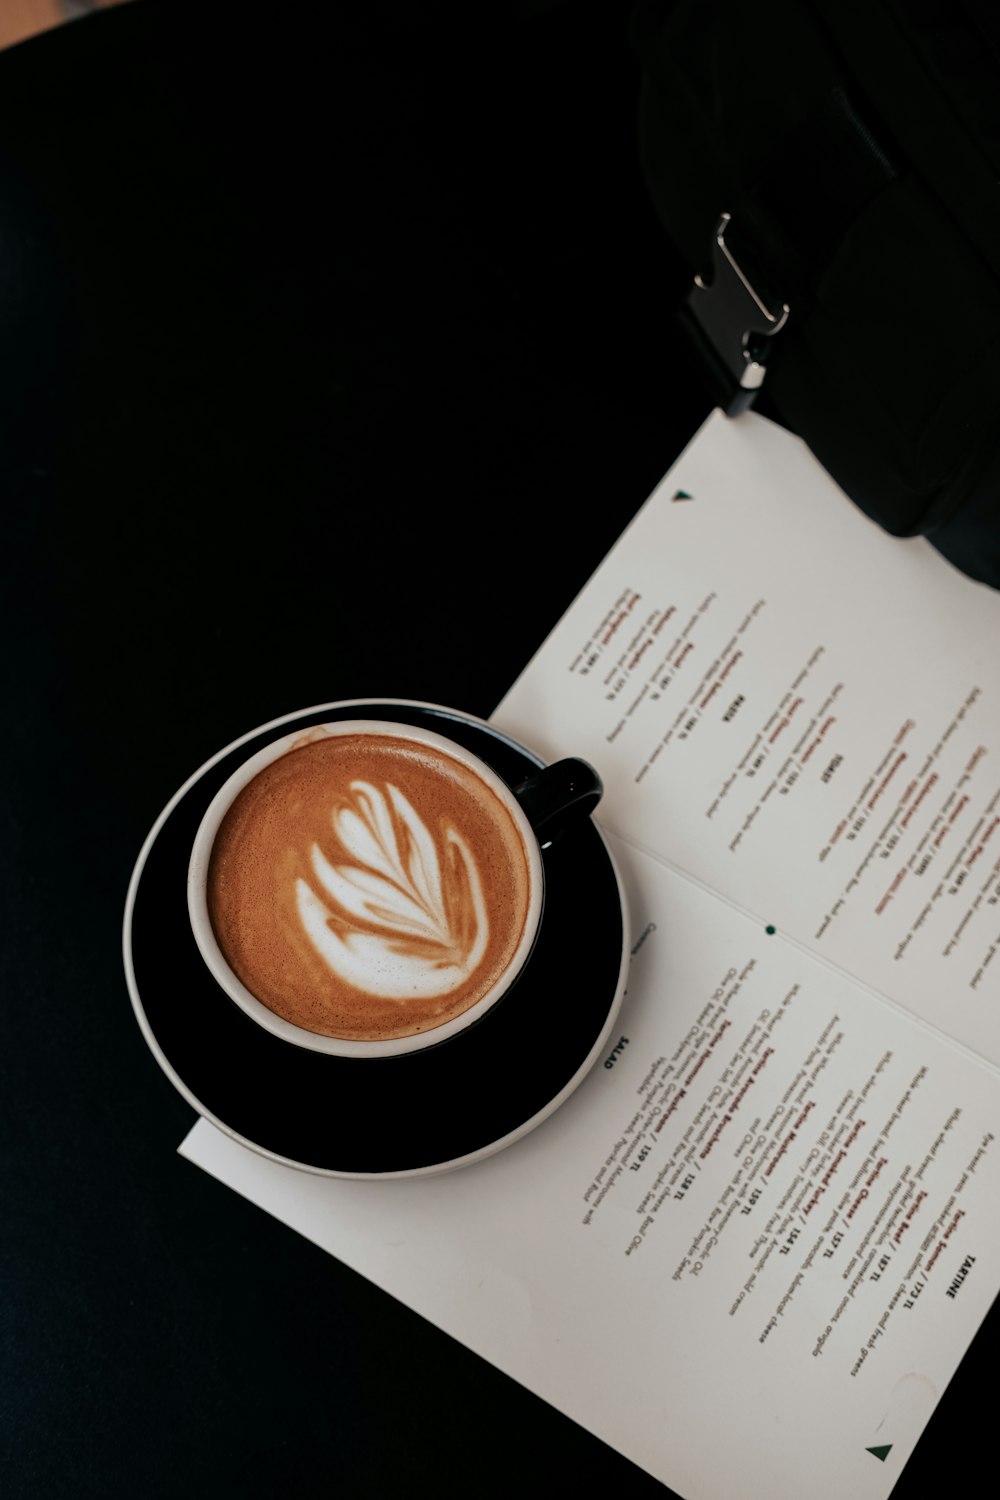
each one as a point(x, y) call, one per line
point(770, 930)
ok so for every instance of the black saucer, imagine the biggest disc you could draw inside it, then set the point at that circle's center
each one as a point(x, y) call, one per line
point(418, 1113)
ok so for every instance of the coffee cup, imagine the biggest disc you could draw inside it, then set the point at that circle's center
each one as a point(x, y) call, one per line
point(368, 888)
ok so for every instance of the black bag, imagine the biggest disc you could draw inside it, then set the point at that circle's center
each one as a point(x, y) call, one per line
point(842, 159)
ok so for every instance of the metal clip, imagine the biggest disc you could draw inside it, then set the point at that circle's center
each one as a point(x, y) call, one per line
point(734, 320)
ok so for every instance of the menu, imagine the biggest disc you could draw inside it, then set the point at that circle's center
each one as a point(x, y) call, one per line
point(778, 1195)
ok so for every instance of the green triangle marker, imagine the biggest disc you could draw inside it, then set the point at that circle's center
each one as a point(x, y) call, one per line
point(681, 495)
point(881, 1453)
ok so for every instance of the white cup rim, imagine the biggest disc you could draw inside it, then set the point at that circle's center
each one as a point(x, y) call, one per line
point(223, 974)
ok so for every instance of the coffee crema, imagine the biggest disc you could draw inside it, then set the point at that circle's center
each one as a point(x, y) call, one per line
point(368, 887)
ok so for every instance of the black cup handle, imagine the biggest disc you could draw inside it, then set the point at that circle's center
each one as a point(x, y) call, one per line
point(557, 796)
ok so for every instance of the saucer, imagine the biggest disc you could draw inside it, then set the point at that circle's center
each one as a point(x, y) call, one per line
point(403, 1116)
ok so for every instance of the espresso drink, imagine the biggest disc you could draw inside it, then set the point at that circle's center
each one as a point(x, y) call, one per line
point(367, 886)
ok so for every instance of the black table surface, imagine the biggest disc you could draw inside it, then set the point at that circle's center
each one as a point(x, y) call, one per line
point(337, 346)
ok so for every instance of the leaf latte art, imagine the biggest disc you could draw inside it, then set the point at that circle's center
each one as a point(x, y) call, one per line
point(404, 918)
point(369, 887)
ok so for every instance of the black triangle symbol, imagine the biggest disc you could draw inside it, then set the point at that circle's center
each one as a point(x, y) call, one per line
point(681, 495)
point(881, 1453)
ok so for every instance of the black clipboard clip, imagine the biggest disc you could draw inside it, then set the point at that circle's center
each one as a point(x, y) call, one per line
point(731, 325)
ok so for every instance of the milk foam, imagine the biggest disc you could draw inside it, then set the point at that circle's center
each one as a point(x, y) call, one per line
point(426, 902)
point(366, 886)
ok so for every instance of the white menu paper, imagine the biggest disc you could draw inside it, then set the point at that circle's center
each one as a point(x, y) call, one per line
point(777, 1196)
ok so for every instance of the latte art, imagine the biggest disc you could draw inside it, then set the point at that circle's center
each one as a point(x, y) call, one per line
point(368, 887)
point(405, 918)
